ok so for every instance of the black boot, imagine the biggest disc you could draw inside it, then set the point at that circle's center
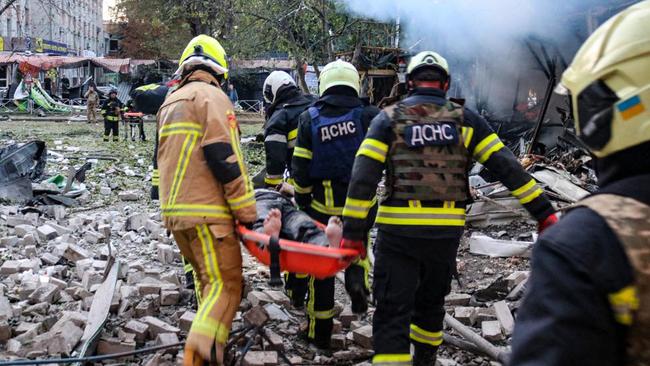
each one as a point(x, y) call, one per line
point(424, 355)
point(356, 288)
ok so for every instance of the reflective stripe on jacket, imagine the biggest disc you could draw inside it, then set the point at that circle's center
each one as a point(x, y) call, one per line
point(198, 114)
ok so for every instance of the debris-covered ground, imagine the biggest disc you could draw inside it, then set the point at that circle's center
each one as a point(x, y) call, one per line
point(97, 246)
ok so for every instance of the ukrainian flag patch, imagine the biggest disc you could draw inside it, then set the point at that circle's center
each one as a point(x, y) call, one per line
point(631, 108)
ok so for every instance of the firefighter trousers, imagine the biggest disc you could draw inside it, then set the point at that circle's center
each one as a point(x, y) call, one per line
point(111, 126)
point(217, 262)
point(412, 276)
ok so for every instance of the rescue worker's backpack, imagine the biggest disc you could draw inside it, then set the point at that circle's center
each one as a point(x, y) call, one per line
point(335, 141)
point(629, 219)
point(428, 160)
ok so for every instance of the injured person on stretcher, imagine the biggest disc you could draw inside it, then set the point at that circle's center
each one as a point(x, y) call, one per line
point(277, 216)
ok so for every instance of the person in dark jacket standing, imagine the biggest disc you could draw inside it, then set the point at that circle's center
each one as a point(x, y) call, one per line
point(588, 297)
point(426, 144)
point(111, 111)
point(329, 135)
point(286, 103)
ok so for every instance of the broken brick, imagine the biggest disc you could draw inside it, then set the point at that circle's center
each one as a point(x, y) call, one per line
point(363, 336)
point(46, 232)
point(256, 316)
point(107, 346)
point(139, 329)
point(169, 297)
point(465, 315)
point(504, 316)
point(157, 326)
point(491, 330)
point(455, 299)
point(185, 322)
point(165, 339)
point(260, 358)
point(45, 292)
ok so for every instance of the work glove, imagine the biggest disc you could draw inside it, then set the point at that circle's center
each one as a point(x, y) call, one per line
point(354, 244)
point(547, 222)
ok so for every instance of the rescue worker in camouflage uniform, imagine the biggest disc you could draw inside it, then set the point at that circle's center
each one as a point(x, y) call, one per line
point(286, 103)
point(426, 144)
point(588, 297)
point(204, 190)
point(329, 135)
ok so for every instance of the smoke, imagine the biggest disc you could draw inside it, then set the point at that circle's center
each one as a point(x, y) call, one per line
point(485, 40)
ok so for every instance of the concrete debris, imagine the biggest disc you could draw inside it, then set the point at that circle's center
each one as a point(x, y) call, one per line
point(363, 336)
point(491, 330)
point(260, 358)
point(560, 182)
point(54, 259)
point(484, 245)
point(457, 299)
point(504, 316)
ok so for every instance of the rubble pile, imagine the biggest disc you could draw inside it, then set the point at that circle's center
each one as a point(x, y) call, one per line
point(102, 276)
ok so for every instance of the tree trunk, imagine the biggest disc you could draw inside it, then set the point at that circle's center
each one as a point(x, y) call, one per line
point(302, 83)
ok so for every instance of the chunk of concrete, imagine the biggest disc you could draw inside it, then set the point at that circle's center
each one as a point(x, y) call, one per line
point(363, 336)
point(10, 267)
point(456, 299)
point(504, 316)
point(107, 346)
point(140, 329)
point(46, 233)
point(465, 315)
point(75, 253)
point(491, 330)
point(157, 326)
point(260, 358)
point(256, 316)
point(169, 297)
point(136, 221)
point(45, 292)
point(258, 298)
point(166, 339)
point(185, 321)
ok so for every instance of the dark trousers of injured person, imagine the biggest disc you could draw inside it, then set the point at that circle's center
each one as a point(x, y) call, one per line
point(412, 276)
point(298, 226)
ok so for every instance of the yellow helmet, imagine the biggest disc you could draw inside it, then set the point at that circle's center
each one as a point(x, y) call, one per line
point(336, 73)
point(609, 83)
point(207, 51)
point(427, 59)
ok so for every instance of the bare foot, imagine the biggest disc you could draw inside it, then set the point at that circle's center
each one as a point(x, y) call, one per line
point(334, 231)
point(273, 223)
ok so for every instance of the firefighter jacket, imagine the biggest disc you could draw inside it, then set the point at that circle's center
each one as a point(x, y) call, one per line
point(280, 133)
point(111, 109)
point(434, 219)
point(148, 99)
point(584, 304)
point(203, 178)
point(313, 188)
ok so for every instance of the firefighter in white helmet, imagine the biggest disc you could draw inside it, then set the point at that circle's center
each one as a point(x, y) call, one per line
point(285, 104)
point(588, 299)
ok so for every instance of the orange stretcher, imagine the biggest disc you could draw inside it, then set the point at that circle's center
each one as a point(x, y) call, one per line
point(295, 257)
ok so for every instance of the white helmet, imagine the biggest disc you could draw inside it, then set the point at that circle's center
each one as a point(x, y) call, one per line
point(274, 82)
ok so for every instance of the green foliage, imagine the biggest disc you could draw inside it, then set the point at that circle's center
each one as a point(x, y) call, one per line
point(311, 31)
